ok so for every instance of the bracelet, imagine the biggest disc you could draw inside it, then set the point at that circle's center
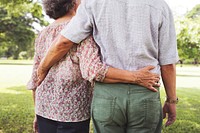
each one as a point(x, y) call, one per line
point(172, 101)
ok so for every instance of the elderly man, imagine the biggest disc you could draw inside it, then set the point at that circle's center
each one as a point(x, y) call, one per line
point(131, 34)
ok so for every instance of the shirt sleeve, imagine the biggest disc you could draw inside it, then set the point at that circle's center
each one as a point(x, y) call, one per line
point(168, 53)
point(32, 83)
point(89, 60)
point(80, 26)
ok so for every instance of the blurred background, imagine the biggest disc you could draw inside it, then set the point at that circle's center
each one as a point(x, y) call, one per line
point(22, 20)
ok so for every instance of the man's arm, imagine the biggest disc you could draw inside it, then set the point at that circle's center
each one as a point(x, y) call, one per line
point(58, 49)
point(168, 73)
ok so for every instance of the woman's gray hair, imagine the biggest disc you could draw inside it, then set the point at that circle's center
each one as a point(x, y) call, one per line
point(57, 8)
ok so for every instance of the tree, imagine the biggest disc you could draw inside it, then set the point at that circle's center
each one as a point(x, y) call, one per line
point(188, 39)
point(188, 35)
point(194, 13)
point(16, 30)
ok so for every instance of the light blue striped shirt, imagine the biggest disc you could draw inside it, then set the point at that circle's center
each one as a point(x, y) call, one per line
point(131, 34)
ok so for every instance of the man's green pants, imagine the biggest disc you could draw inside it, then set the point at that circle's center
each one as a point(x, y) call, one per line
point(125, 108)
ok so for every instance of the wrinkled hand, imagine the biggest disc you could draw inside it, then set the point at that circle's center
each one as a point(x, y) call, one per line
point(147, 79)
point(41, 74)
point(169, 111)
point(35, 125)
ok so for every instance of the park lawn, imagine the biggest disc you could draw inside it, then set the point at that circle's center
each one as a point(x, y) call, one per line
point(17, 111)
point(188, 112)
point(16, 62)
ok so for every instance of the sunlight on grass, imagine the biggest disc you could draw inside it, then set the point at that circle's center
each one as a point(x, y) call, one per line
point(14, 75)
point(16, 62)
point(7, 91)
point(188, 77)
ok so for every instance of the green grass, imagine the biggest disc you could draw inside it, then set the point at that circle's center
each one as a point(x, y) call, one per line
point(17, 111)
point(188, 112)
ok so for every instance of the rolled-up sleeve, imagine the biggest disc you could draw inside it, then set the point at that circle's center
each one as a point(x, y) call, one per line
point(168, 53)
point(80, 25)
point(89, 60)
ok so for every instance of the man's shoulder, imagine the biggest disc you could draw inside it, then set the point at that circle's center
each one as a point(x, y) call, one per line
point(158, 4)
point(90, 3)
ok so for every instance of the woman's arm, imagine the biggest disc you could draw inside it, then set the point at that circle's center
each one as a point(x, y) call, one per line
point(141, 77)
point(33, 93)
point(35, 124)
point(93, 69)
point(32, 83)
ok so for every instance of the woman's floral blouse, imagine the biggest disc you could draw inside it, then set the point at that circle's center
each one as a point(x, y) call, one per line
point(66, 92)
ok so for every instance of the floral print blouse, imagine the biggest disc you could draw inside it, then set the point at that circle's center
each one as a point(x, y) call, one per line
point(66, 92)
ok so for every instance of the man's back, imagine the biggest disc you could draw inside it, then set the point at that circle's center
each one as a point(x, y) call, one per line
point(131, 34)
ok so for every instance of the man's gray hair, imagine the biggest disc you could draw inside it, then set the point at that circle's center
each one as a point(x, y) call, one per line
point(57, 8)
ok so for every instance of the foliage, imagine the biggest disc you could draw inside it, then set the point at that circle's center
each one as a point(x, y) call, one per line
point(194, 13)
point(16, 30)
point(188, 38)
point(188, 35)
point(23, 55)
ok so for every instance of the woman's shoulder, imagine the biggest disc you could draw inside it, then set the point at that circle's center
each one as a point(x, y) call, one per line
point(51, 29)
point(57, 24)
point(55, 27)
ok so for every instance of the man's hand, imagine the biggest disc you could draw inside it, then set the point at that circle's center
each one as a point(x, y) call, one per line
point(35, 125)
point(146, 78)
point(169, 111)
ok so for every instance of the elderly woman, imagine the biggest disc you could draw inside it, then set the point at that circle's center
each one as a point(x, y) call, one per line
point(62, 100)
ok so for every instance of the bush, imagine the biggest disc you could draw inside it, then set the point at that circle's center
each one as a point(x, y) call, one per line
point(23, 55)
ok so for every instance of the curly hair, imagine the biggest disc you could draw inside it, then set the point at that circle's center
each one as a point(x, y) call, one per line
point(57, 8)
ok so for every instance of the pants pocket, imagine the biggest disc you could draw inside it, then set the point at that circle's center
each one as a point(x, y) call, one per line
point(152, 112)
point(103, 108)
